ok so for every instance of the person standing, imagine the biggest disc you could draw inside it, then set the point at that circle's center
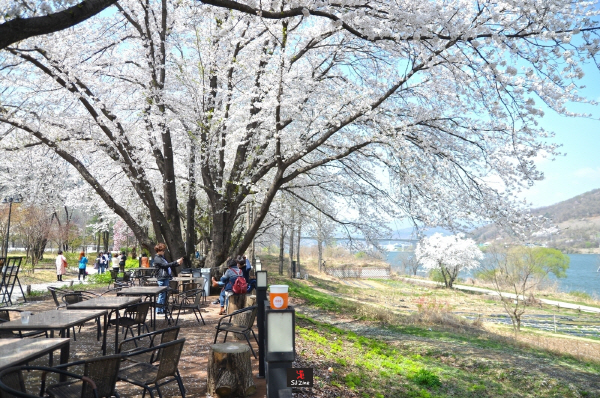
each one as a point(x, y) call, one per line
point(122, 261)
point(163, 273)
point(61, 266)
point(103, 262)
point(115, 263)
point(83, 261)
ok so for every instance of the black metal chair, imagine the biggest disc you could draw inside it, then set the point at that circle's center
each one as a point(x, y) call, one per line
point(189, 300)
point(102, 371)
point(240, 322)
point(148, 340)
point(166, 306)
point(5, 316)
point(152, 377)
point(77, 297)
point(135, 315)
point(55, 291)
point(12, 383)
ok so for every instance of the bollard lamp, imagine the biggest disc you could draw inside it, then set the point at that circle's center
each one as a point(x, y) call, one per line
point(280, 335)
point(261, 279)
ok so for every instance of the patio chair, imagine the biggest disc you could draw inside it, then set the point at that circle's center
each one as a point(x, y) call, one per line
point(135, 315)
point(152, 377)
point(125, 280)
point(166, 307)
point(102, 371)
point(148, 340)
point(77, 297)
point(54, 291)
point(5, 316)
point(12, 382)
point(189, 300)
point(240, 322)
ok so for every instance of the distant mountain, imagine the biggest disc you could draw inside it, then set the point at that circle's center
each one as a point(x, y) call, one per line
point(578, 220)
point(581, 206)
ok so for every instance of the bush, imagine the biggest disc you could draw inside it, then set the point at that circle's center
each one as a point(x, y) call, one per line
point(436, 275)
point(426, 378)
point(100, 278)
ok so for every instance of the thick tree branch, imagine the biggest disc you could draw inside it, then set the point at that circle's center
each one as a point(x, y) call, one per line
point(22, 28)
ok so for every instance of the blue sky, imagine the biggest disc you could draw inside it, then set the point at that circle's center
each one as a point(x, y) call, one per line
point(579, 170)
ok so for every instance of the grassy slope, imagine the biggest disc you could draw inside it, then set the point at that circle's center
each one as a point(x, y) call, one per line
point(412, 359)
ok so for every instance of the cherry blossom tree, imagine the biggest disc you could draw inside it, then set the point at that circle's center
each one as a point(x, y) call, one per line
point(448, 255)
point(415, 107)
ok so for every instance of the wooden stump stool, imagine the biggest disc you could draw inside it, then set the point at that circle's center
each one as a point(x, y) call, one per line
point(229, 370)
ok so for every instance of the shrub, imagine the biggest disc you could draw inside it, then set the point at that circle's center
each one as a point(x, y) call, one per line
point(425, 378)
point(100, 278)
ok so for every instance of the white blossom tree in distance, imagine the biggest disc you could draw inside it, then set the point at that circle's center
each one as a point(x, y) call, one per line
point(448, 254)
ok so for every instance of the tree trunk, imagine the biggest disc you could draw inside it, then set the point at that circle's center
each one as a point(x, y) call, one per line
point(298, 245)
point(230, 370)
point(281, 248)
point(320, 251)
point(105, 240)
point(190, 231)
point(291, 253)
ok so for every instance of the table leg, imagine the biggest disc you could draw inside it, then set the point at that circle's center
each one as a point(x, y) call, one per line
point(105, 333)
point(153, 313)
point(64, 358)
point(117, 316)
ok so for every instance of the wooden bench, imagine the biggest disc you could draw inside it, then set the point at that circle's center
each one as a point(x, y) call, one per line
point(238, 322)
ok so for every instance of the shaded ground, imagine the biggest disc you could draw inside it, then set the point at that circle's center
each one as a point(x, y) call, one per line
point(193, 363)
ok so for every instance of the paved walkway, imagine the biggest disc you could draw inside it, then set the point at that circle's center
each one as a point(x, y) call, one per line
point(17, 297)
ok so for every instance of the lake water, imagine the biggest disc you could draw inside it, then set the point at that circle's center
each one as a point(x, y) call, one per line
point(582, 274)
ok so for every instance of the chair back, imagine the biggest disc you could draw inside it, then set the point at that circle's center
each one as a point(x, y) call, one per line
point(138, 312)
point(5, 317)
point(13, 379)
point(127, 276)
point(173, 285)
point(103, 371)
point(72, 298)
point(52, 291)
point(169, 358)
point(169, 335)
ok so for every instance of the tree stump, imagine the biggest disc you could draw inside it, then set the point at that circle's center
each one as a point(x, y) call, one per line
point(242, 301)
point(229, 370)
point(236, 302)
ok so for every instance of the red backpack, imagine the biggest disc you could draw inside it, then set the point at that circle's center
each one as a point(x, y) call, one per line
point(240, 286)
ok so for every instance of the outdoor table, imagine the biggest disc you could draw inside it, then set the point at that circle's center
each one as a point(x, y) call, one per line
point(15, 352)
point(105, 303)
point(148, 291)
point(57, 320)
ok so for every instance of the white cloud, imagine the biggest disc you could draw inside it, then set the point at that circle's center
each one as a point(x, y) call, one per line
point(588, 173)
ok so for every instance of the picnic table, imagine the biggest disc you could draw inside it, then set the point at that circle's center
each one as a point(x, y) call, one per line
point(147, 291)
point(15, 352)
point(57, 320)
point(105, 303)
